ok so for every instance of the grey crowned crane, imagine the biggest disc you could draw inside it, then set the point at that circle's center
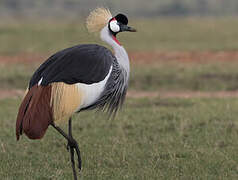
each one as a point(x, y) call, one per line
point(78, 78)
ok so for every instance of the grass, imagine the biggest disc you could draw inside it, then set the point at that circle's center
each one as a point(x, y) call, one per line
point(171, 76)
point(150, 139)
point(178, 76)
point(164, 34)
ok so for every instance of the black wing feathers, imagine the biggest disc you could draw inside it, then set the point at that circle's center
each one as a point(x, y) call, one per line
point(89, 63)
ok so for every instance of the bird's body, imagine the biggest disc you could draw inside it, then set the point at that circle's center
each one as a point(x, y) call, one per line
point(85, 68)
point(82, 77)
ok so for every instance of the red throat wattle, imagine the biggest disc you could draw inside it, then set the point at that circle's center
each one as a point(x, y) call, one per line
point(115, 39)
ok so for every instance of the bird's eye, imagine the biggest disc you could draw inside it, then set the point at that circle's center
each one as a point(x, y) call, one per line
point(114, 26)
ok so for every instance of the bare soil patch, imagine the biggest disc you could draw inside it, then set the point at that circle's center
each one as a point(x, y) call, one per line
point(22, 58)
point(13, 93)
point(17, 93)
point(143, 57)
point(188, 56)
point(185, 94)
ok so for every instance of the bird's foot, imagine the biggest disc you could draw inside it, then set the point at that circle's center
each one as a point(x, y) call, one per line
point(72, 147)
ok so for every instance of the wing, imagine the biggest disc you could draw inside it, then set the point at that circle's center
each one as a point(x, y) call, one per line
point(88, 63)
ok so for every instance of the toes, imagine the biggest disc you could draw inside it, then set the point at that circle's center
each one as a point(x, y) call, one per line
point(67, 146)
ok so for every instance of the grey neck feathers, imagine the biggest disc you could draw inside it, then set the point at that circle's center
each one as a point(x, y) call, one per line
point(120, 52)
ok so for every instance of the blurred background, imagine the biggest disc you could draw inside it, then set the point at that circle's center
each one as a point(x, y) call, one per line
point(171, 34)
point(180, 117)
point(136, 8)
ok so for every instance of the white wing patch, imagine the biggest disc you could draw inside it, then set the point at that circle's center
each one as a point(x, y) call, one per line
point(92, 92)
point(39, 82)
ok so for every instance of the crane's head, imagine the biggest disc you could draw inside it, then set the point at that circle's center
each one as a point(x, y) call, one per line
point(101, 17)
point(119, 24)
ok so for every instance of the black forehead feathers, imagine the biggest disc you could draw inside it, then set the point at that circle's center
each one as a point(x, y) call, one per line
point(122, 19)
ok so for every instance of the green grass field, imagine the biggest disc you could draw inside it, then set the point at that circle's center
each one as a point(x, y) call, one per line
point(153, 137)
point(150, 139)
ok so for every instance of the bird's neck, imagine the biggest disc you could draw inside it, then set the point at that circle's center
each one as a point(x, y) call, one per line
point(120, 52)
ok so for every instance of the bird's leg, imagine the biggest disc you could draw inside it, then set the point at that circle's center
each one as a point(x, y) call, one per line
point(72, 144)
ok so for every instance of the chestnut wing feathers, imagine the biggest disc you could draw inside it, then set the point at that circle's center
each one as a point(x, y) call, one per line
point(89, 63)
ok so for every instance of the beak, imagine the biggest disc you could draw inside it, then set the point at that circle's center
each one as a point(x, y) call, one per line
point(127, 28)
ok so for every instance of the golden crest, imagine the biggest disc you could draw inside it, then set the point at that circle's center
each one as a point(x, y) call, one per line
point(98, 19)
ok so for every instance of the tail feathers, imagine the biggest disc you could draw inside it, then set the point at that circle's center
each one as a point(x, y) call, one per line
point(35, 113)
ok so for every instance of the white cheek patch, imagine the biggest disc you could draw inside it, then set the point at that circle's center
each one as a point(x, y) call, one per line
point(114, 26)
